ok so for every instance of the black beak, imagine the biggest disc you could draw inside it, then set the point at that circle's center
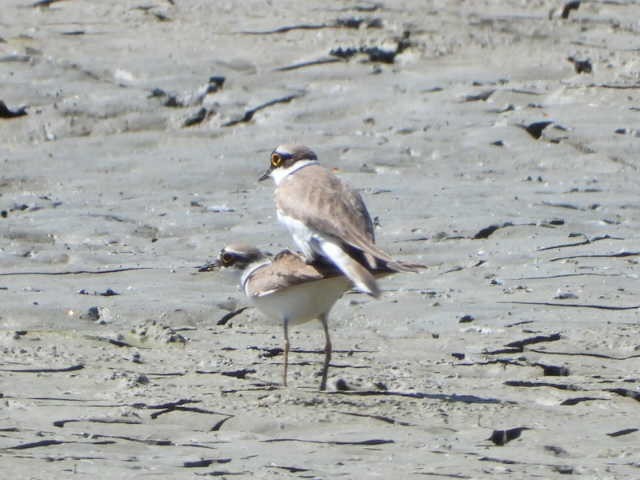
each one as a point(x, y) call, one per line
point(266, 174)
point(210, 267)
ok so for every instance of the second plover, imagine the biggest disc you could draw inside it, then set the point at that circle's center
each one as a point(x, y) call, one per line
point(287, 289)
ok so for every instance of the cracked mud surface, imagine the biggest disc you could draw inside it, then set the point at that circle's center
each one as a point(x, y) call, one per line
point(127, 163)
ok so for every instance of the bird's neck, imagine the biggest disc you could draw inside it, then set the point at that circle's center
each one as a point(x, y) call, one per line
point(279, 174)
point(250, 270)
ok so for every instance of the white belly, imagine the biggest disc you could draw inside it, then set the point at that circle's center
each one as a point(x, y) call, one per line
point(302, 303)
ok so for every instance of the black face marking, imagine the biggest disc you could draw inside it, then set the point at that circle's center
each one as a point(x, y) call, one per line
point(227, 259)
point(285, 159)
point(237, 259)
point(282, 160)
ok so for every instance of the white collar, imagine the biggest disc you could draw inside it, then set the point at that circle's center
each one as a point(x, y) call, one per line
point(250, 270)
point(279, 174)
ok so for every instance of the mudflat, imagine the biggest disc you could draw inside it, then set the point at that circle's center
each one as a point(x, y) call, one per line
point(496, 142)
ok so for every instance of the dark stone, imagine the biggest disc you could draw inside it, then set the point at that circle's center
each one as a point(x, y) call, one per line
point(573, 5)
point(501, 437)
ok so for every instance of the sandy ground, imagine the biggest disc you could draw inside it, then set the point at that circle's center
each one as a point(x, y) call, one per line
point(132, 167)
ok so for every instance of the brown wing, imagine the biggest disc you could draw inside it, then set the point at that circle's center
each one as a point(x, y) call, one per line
point(285, 270)
point(356, 204)
point(288, 269)
point(326, 198)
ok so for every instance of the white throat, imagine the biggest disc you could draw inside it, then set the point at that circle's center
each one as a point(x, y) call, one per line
point(279, 174)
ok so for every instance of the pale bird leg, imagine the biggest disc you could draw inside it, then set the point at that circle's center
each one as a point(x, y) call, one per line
point(286, 351)
point(327, 352)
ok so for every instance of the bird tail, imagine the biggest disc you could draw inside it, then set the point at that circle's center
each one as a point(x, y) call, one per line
point(398, 266)
point(356, 272)
point(381, 263)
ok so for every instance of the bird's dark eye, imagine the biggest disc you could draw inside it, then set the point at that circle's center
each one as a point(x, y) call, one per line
point(227, 259)
point(276, 160)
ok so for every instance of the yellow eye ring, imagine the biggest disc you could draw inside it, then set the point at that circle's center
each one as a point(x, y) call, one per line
point(276, 160)
point(227, 258)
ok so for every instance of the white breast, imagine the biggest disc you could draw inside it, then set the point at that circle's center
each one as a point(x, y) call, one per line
point(304, 302)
